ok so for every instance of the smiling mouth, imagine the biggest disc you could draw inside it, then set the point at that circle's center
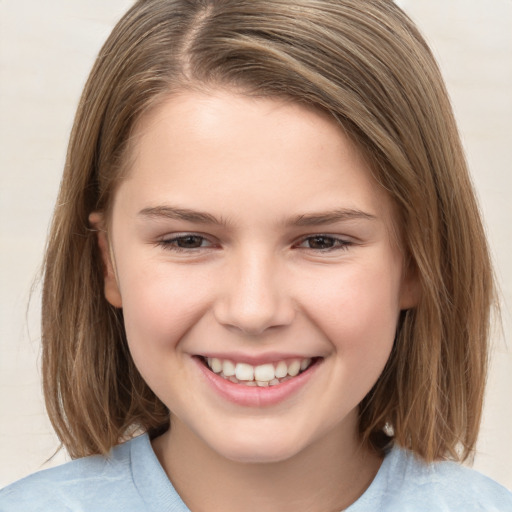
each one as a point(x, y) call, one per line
point(264, 375)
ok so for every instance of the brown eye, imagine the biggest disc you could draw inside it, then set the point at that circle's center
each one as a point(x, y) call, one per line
point(189, 242)
point(325, 243)
point(321, 242)
point(186, 242)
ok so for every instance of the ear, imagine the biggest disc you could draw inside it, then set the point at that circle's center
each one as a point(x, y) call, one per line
point(111, 287)
point(410, 291)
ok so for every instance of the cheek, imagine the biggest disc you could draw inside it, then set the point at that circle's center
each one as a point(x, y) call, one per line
point(160, 305)
point(358, 310)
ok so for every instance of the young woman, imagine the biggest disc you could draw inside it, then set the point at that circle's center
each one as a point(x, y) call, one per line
point(267, 285)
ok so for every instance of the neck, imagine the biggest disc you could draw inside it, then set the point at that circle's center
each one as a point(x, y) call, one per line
point(329, 475)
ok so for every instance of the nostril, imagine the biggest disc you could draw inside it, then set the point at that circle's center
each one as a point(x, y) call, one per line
point(253, 298)
point(253, 319)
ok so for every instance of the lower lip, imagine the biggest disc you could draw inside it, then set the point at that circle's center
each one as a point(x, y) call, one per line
point(254, 396)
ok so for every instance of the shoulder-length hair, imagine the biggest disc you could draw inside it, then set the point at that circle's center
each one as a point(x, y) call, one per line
point(363, 62)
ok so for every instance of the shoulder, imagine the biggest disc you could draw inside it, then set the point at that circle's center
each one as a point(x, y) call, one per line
point(97, 481)
point(448, 486)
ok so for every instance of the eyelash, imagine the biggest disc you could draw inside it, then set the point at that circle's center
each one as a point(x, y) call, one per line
point(338, 243)
point(171, 243)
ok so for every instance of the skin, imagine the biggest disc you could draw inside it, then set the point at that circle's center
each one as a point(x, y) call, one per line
point(255, 284)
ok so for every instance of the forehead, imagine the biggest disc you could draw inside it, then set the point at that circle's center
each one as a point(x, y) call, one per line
point(225, 151)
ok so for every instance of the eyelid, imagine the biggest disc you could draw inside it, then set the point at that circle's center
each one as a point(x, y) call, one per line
point(167, 240)
point(342, 242)
point(184, 234)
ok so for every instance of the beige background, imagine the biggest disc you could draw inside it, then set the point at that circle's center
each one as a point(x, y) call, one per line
point(46, 51)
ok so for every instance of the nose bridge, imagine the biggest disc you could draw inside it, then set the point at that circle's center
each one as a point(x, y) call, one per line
point(254, 297)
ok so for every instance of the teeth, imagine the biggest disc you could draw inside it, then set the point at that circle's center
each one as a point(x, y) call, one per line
point(304, 364)
point(281, 370)
point(216, 365)
point(294, 368)
point(264, 372)
point(244, 371)
point(263, 375)
point(228, 368)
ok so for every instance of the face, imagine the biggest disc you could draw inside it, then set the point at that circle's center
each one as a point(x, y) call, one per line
point(252, 255)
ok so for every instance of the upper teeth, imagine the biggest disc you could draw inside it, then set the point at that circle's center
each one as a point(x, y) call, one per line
point(263, 373)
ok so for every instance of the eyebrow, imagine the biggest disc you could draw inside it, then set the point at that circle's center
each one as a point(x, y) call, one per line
point(307, 219)
point(171, 212)
point(330, 217)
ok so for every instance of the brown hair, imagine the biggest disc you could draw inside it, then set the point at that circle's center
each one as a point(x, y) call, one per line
point(365, 63)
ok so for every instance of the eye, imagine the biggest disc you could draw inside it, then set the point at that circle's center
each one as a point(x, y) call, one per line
point(324, 243)
point(186, 242)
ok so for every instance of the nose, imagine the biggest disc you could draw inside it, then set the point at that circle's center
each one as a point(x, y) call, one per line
point(254, 296)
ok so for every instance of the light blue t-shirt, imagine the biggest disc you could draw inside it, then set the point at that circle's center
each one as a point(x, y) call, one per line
point(132, 479)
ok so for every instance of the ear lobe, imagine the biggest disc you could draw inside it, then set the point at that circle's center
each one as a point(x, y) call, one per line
point(111, 288)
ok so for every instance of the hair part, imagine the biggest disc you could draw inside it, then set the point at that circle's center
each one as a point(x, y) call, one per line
point(365, 64)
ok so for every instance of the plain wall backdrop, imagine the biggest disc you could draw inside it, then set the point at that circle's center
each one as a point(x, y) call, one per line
point(46, 52)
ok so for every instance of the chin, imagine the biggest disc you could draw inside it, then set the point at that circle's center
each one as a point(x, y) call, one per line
point(258, 450)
